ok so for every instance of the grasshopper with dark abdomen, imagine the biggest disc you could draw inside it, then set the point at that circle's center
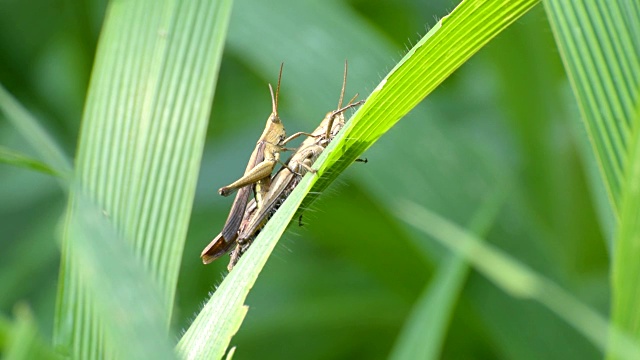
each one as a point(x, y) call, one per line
point(288, 177)
point(258, 173)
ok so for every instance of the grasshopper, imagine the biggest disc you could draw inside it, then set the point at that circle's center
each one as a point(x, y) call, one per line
point(258, 173)
point(288, 177)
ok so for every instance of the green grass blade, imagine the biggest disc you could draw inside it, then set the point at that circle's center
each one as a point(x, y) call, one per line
point(117, 293)
point(14, 158)
point(438, 54)
point(599, 44)
point(208, 339)
point(138, 158)
point(456, 38)
point(21, 339)
point(626, 268)
point(423, 335)
point(209, 335)
point(517, 279)
point(34, 133)
point(600, 52)
point(424, 332)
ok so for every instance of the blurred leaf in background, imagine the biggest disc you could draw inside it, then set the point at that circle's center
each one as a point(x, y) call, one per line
point(45, 62)
point(343, 285)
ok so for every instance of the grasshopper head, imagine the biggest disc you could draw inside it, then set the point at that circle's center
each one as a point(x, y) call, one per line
point(335, 119)
point(274, 118)
point(274, 132)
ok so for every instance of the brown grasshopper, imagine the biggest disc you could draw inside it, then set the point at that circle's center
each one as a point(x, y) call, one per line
point(258, 173)
point(288, 177)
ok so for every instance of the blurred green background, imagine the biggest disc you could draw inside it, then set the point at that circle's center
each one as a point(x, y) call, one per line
point(343, 285)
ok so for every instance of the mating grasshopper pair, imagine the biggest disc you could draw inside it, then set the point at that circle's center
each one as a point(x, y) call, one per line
point(247, 218)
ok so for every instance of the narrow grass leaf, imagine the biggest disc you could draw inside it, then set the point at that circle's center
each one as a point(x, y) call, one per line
point(17, 159)
point(517, 279)
point(139, 154)
point(209, 335)
point(439, 53)
point(426, 327)
point(22, 338)
point(210, 339)
point(425, 330)
point(34, 133)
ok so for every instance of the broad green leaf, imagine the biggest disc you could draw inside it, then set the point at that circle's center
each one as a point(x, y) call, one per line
point(118, 302)
point(599, 44)
point(139, 152)
point(456, 38)
point(626, 270)
point(600, 52)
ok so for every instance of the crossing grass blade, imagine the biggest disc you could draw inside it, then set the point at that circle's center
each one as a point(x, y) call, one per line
point(439, 53)
point(423, 335)
point(14, 158)
point(52, 156)
point(517, 279)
